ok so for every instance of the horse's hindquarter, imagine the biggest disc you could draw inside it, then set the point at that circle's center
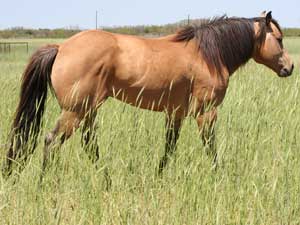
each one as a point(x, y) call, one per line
point(150, 73)
point(82, 68)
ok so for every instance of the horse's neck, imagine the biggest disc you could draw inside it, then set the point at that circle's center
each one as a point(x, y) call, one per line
point(235, 67)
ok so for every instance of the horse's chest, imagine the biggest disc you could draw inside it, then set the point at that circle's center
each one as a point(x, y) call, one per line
point(219, 94)
point(210, 93)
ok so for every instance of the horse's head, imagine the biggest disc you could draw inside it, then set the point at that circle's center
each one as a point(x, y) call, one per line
point(269, 49)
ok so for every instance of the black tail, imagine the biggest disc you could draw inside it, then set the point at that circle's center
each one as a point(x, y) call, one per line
point(31, 106)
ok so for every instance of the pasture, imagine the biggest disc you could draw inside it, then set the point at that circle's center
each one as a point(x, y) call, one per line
point(257, 182)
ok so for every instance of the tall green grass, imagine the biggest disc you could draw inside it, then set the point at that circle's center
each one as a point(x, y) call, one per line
point(257, 182)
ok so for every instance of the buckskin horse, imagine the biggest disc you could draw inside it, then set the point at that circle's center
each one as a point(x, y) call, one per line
point(179, 74)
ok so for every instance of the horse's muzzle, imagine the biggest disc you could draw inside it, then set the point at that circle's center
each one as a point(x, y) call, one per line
point(285, 72)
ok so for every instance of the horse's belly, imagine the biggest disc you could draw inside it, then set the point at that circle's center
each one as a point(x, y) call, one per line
point(146, 99)
point(152, 99)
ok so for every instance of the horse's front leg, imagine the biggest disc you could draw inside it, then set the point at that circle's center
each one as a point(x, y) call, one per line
point(172, 134)
point(206, 123)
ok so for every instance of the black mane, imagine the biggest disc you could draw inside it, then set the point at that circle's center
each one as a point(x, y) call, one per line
point(225, 41)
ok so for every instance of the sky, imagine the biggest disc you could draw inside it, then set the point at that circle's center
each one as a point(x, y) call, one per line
point(81, 13)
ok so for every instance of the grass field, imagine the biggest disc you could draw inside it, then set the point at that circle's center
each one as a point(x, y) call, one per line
point(258, 180)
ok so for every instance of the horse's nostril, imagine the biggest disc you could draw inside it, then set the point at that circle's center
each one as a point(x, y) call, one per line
point(292, 67)
point(286, 70)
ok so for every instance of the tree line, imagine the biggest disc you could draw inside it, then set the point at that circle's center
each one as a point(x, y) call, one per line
point(142, 30)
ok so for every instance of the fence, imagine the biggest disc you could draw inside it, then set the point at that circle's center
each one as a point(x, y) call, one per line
point(7, 46)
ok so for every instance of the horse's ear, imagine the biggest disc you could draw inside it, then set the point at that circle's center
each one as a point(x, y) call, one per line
point(269, 18)
point(263, 14)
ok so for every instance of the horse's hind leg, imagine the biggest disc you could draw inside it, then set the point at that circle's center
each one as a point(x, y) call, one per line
point(89, 137)
point(67, 123)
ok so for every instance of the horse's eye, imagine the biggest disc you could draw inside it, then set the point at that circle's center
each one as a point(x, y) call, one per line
point(279, 40)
